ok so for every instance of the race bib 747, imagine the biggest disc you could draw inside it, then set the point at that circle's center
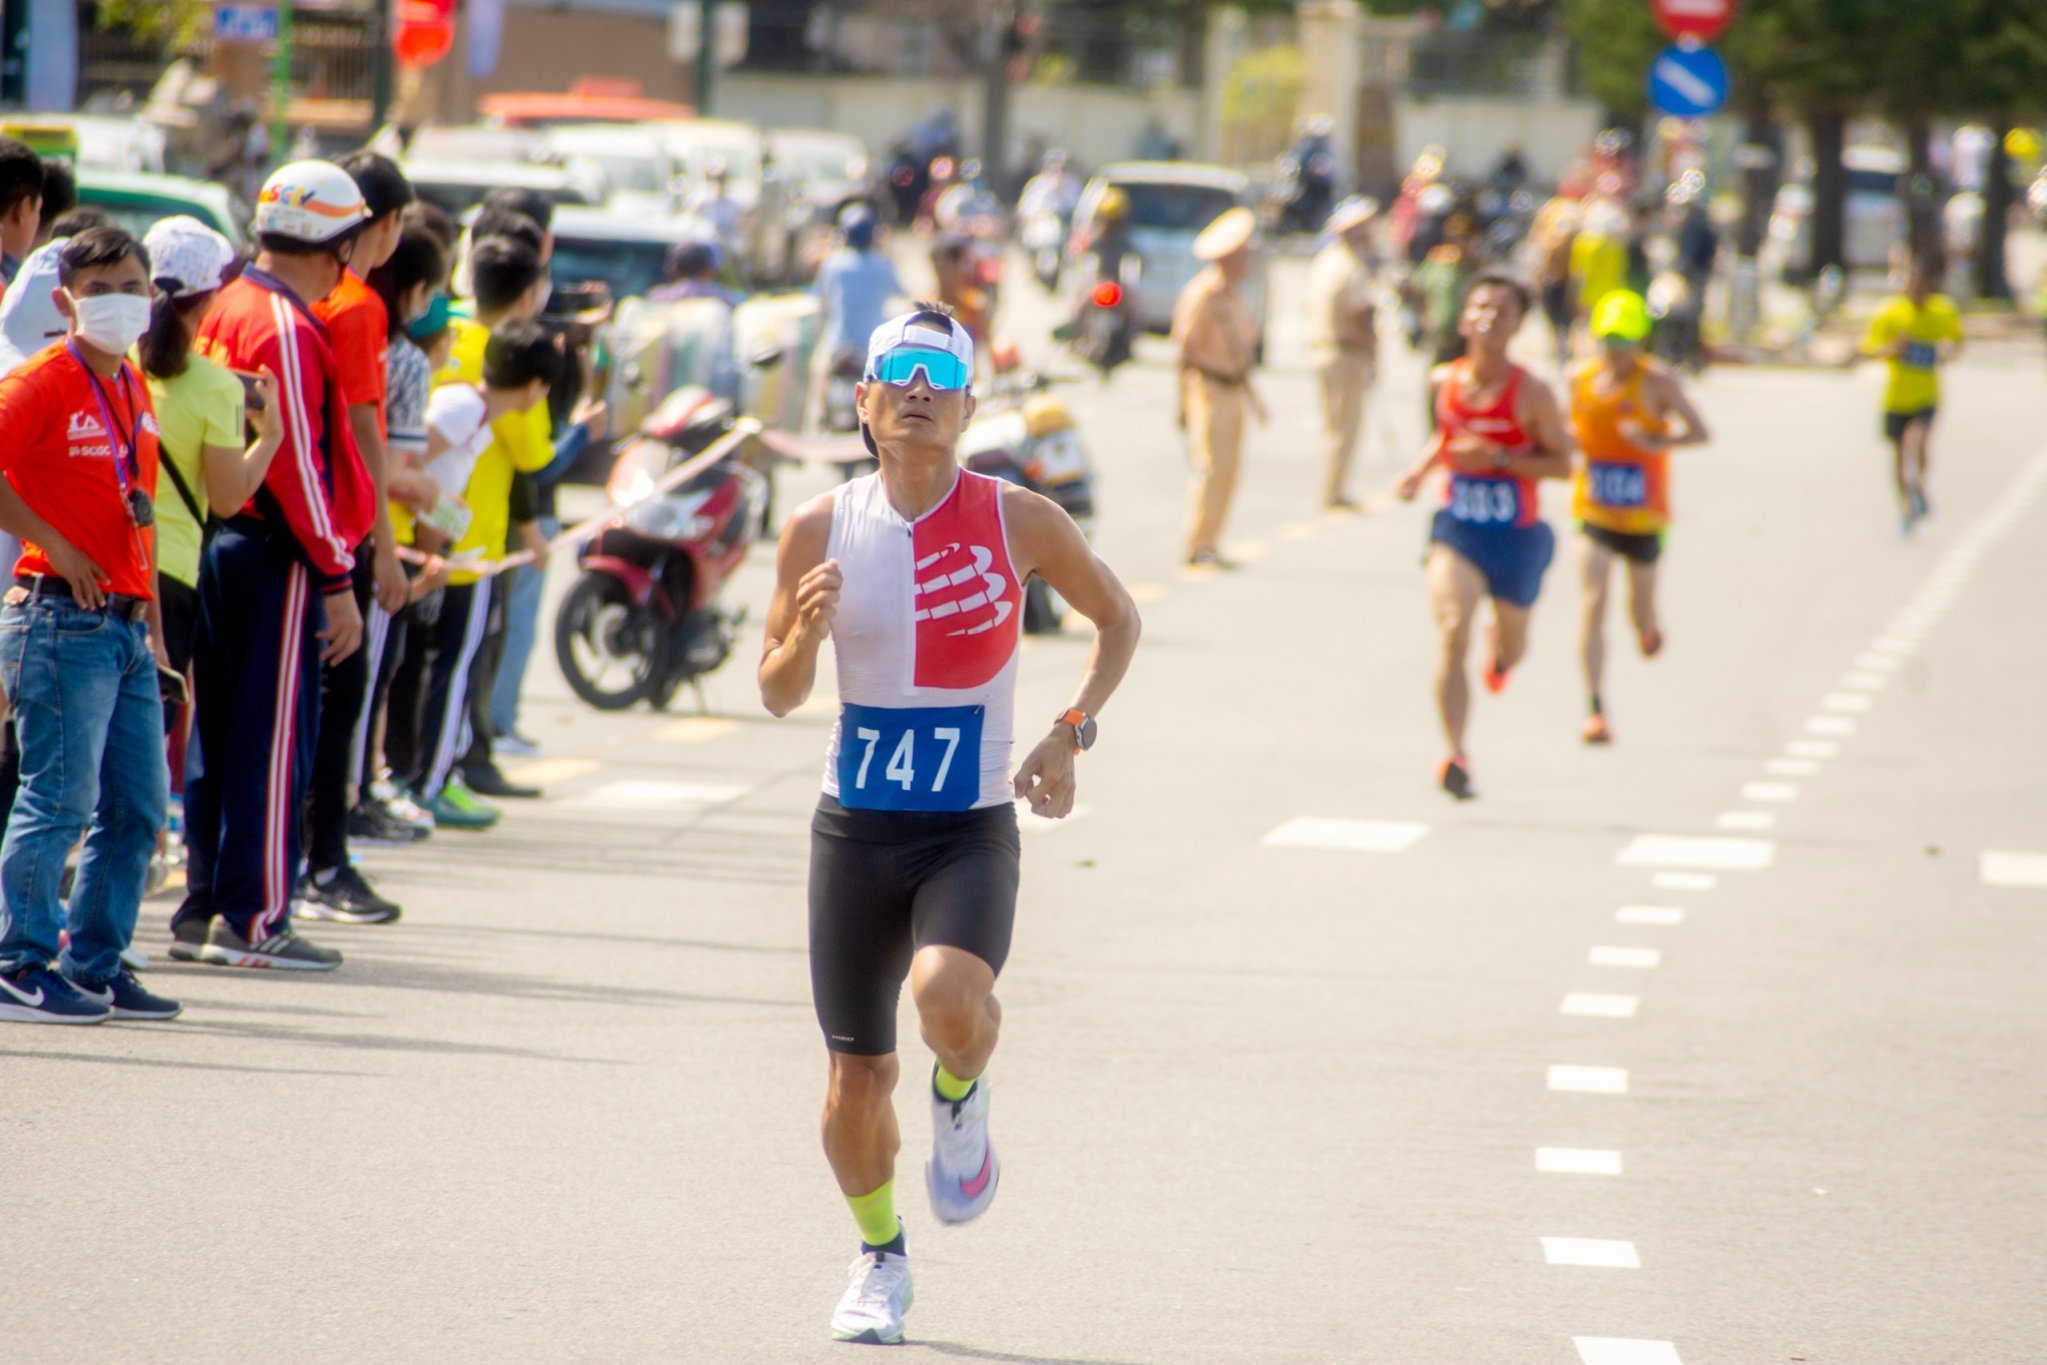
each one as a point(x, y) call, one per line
point(910, 758)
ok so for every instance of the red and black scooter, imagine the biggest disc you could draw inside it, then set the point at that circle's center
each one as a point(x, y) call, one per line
point(645, 617)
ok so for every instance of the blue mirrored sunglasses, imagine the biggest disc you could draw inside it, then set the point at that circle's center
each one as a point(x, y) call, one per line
point(943, 371)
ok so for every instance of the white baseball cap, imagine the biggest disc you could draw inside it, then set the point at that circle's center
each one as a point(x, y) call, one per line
point(186, 257)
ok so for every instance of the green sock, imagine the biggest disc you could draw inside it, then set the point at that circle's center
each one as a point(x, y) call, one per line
point(949, 1086)
point(876, 1214)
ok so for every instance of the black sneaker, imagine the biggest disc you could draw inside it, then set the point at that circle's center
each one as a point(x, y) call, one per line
point(485, 779)
point(37, 995)
point(283, 950)
point(125, 996)
point(188, 940)
point(371, 822)
point(345, 898)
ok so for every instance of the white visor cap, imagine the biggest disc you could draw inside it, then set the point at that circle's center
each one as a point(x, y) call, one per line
point(908, 330)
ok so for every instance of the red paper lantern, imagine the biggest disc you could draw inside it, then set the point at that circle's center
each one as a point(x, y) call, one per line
point(425, 31)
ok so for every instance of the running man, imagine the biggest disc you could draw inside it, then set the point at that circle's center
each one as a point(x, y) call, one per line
point(916, 573)
point(1621, 410)
point(1498, 430)
point(1917, 331)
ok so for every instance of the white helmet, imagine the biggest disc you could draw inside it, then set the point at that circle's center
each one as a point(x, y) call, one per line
point(310, 201)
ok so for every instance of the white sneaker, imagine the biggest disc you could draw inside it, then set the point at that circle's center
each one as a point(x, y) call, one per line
point(134, 959)
point(963, 1172)
point(879, 1294)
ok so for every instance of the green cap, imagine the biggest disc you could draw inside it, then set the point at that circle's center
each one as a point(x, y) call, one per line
point(1623, 314)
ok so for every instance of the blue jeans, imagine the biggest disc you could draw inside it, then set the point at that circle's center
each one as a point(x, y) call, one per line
point(522, 631)
point(90, 722)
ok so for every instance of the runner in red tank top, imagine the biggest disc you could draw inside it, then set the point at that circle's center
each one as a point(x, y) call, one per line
point(1499, 431)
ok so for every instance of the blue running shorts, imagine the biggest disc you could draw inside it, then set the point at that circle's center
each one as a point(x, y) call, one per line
point(1512, 558)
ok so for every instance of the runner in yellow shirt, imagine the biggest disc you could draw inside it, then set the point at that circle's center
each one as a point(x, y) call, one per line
point(1917, 332)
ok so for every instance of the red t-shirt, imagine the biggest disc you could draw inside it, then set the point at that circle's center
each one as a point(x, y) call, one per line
point(359, 330)
point(57, 452)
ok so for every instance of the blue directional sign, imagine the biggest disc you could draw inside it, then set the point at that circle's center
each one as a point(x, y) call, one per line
point(1688, 81)
point(245, 23)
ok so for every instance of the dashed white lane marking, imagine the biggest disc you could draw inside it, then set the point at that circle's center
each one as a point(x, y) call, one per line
point(1589, 1080)
point(653, 796)
point(1027, 823)
point(1347, 836)
point(1624, 1351)
point(1662, 916)
point(542, 772)
point(1609, 955)
point(1855, 703)
point(1699, 853)
point(1684, 881)
point(697, 729)
point(1865, 682)
point(1879, 663)
point(1769, 791)
point(1813, 748)
point(1753, 820)
point(1838, 726)
point(2014, 869)
point(1791, 767)
point(1577, 1161)
point(1894, 644)
point(1601, 1006)
point(1603, 1253)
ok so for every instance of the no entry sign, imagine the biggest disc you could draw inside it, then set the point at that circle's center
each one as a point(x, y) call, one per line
point(1703, 20)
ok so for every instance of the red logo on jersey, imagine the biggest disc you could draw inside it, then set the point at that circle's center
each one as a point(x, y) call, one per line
point(967, 599)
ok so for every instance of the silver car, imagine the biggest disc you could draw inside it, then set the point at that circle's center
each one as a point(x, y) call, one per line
point(1170, 203)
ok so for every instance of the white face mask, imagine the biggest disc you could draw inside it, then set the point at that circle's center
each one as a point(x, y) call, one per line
point(111, 322)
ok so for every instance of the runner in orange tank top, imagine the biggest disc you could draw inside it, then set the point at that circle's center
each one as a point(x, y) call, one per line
point(1628, 413)
point(1500, 430)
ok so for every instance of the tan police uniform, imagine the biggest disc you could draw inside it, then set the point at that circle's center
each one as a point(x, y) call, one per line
point(1343, 343)
point(1217, 339)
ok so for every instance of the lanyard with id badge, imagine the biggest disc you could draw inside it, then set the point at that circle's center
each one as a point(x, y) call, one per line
point(124, 445)
point(925, 759)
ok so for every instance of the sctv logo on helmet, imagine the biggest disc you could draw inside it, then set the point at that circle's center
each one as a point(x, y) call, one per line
point(290, 196)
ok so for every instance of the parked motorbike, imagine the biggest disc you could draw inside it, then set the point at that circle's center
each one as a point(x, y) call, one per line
point(645, 618)
point(1304, 190)
point(1043, 238)
point(1026, 435)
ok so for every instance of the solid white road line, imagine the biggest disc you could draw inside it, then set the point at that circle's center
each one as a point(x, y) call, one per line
point(1746, 819)
point(1684, 881)
point(1624, 1351)
point(1601, 1006)
point(1588, 1080)
point(2014, 869)
point(1698, 853)
point(1347, 836)
point(1662, 916)
point(1791, 767)
point(697, 729)
point(1601, 1252)
point(1769, 791)
point(1577, 1161)
point(1609, 955)
point(1813, 748)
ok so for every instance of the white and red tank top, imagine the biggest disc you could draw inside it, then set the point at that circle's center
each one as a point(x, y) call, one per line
point(930, 617)
point(1488, 501)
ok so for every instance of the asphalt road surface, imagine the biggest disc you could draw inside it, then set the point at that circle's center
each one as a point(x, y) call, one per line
point(1720, 1046)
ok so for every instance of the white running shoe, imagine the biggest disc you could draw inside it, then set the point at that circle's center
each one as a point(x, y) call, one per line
point(963, 1172)
point(876, 1299)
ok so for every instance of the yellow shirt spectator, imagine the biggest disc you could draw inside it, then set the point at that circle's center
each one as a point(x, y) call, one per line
point(201, 407)
point(523, 442)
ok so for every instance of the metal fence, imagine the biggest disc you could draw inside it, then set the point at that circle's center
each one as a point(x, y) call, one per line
point(330, 59)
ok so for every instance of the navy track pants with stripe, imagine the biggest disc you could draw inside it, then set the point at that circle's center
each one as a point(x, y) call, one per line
point(256, 700)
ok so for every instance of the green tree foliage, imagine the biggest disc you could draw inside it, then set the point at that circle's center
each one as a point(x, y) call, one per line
point(176, 24)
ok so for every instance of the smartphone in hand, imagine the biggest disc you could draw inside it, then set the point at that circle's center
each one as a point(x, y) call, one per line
point(252, 396)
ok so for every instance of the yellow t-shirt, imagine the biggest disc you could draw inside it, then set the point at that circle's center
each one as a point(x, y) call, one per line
point(201, 407)
point(1914, 385)
point(1600, 265)
point(523, 443)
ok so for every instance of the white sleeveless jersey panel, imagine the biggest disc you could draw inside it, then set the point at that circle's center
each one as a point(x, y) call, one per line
point(930, 616)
